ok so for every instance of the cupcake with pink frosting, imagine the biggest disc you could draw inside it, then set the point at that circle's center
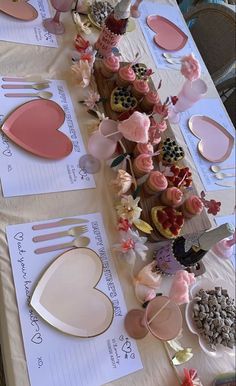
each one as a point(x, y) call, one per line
point(140, 88)
point(172, 197)
point(143, 148)
point(142, 165)
point(125, 76)
point(156, 183)
point(149, 101)
point(192, 206)
point(110, 66)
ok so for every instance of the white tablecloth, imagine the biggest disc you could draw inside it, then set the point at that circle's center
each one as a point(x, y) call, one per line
point(18, 59)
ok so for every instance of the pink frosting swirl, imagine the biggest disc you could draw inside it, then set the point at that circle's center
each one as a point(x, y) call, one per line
point(144, 148)
point(157, 181)
point(127, 73)
point(193, 204)
point(144, 163)
point(141, 86)
point(112, 63)
point(152, 97)
point(173, 196)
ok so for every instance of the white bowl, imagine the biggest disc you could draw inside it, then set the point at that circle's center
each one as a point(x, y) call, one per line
point(207, 284)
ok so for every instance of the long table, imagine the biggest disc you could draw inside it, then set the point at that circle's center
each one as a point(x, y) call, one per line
point(21, 60)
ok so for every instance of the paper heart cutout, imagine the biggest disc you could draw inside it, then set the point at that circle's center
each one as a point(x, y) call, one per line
point(135, 128)
point(216, 142)
point(122, 100)
point(34, 126)
point(67, 298)
point(169, 36)
point(19, 9)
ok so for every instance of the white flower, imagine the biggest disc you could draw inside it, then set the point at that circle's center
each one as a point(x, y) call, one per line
point(131, 244)
point(128, 208)
point(91, 100)
point(83, 72)
point(122, 183)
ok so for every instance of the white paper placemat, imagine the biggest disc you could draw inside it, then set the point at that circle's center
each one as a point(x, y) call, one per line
point(231, 219)
point(171, 13)
point(54, 358)
point(23, 173)
point(28, 32)
point(213, 109)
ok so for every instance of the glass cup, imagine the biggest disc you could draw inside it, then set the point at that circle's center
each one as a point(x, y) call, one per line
point(191, 92)
point(101, 146)
point(162, 318)
point(54, 25)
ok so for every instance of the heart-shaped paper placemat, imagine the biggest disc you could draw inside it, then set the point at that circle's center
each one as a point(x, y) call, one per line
point(19, 9)
point(67, 298)
point(34, 127)
point(215, 143)
point(169, 36)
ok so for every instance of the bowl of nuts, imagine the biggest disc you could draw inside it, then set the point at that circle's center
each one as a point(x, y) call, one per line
point(211, 314)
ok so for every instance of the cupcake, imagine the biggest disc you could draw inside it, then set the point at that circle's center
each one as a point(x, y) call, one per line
point(192, 206)
point(149, 101)
point(172, 197)
point(125, 76)
point(110, 66)
point(142, 165)
point(170, 152)
point(155, 183)
point(140, 88)
point(143, 148)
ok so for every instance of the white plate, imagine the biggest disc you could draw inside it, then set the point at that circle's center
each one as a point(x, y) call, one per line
point(207, 284)
point(67, 298)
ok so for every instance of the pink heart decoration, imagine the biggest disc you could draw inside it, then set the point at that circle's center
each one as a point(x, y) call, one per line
point(215, 142)
point(135, 128)
point(169, 36)
point(19, 9)
point(34, 127)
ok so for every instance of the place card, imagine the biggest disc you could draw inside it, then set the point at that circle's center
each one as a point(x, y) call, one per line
point(54, 358)
point(23, 173)
point(28, 32)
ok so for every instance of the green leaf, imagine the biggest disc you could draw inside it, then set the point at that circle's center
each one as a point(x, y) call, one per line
point(136, 192)
point(118, 160)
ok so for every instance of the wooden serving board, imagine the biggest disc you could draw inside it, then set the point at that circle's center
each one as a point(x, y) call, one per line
point(196, 224)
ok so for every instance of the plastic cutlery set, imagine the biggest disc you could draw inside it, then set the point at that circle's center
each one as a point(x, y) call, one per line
point(76, 232)
point(40, 85)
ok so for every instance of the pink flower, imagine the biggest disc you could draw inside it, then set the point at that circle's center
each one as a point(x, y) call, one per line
point(123, 224)
point(191, 378)
point(80, 43)
point(213, 206)
point(190, 68)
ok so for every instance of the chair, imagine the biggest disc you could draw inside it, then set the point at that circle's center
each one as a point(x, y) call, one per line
point(227, 92)
point(213, 31)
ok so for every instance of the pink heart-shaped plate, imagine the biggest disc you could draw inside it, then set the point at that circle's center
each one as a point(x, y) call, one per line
point(215, 143)
point(34, 127)
point(169, 36)
point(19, 9)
